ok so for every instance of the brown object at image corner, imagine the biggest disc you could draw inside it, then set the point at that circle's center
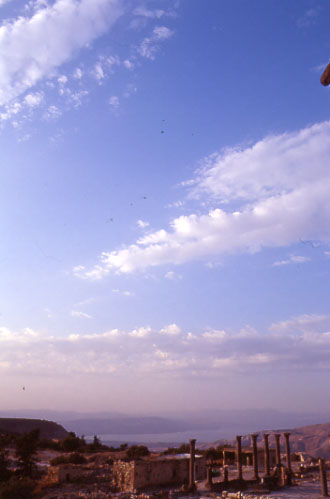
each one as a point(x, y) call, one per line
point(325, 78)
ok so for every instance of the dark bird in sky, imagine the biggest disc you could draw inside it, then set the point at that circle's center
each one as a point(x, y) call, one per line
point(325, 78)
point(23, 388)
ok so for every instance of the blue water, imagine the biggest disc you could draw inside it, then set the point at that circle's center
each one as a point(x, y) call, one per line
point(169, 438)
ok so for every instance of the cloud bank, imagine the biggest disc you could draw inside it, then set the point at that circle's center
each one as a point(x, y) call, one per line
point(272, 194)
point(286, 346)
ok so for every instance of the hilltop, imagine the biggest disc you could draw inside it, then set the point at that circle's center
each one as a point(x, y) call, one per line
point(48, 429)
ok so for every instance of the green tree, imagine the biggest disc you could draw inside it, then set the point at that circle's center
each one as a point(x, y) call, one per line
point(26, 449)
point(137, 451)
point(4, 466)
point(71, 442)
point(18, 489)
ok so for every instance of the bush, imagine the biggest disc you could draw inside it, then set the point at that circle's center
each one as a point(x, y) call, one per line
point(72, 443)
point(5, 472)
point(212, 454)
point(18, 489)
point(137, 451)
point(74, 458)
point(26, 448)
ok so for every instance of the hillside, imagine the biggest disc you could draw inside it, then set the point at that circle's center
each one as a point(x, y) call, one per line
point(48, 429)
point(312, 439)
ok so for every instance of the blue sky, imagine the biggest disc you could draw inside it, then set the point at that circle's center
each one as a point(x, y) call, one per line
point(164, 204)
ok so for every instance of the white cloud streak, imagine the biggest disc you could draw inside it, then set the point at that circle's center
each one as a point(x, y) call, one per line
point(78, 313)
point(294, 259)
point(280, 187)
point(31, 48)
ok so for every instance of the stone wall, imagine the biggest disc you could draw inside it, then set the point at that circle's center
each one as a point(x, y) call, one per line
point(123, 475)
point(65, 473)
point(141, 474)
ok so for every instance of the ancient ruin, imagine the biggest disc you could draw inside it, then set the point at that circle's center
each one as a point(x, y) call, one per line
point(161, 471)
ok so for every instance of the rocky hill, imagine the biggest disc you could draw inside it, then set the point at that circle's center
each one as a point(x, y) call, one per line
point(312, 439)
point(48, 429)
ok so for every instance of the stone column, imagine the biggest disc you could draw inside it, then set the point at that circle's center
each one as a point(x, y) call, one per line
point(278, 450)
point(192, 485)
point(266, 454)
point(288, 457)
point(225, 475)
point(209, 477)
point(239, 457)
point(255, 456)
point(323, 478)
point(288, 452)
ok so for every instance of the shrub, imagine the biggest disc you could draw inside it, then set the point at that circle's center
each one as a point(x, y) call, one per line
point(137, 451)
point(74, 458)
point(26, 448)
point(18, 489)
point(71, 443)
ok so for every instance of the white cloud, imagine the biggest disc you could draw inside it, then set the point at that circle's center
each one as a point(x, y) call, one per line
point(150, 45)
point(128, 64)
point(308, 18)
point(123, 293)
point(142, 224)
point(53, 112)
point(78, 313)
point(114, 102)
point(279, 200)
point(130, 89)
point(293, 259)
point(98, 71)
point(78, 74)
point(141, 332)
point(172, 276)
point(62, 80)
point(273, 166)
point(34, 99)
point(305, 323)
point(215, 335)
point(162, 33)
point(32, 47)
point(171, 329)
point(144, 12)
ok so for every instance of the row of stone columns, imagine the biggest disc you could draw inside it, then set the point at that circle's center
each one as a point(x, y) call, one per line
point(254, 438)
point(255, 457)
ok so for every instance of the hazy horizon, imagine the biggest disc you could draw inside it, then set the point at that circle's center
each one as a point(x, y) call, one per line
point(164, 207)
